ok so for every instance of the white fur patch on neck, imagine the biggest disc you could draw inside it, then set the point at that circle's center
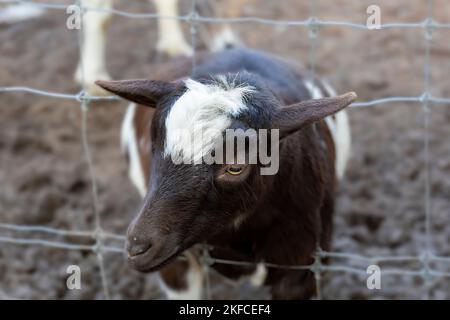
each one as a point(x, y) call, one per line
point(198, 118)
point(338, 125)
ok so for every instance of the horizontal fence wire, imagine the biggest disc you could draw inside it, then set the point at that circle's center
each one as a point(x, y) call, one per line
point(99, 236)
point(310, 22)
point(366, 260)
point(82, 96)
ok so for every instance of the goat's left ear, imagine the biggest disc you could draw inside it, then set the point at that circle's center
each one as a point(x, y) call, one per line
point(299, 115)
point(142, 91)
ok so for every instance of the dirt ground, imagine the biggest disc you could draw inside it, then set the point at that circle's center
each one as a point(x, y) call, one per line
point(45, 181)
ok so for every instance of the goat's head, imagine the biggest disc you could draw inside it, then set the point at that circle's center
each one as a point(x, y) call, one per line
point(188, 202)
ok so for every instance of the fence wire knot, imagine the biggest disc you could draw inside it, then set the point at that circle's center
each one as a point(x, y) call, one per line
point(313, 25)
point(425, 259)
point(425, 98)
point(83, 97)
point(429, 25)
point(316, 267)
point(99, 237)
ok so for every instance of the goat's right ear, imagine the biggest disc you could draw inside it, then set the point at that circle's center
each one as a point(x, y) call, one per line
point(142, 91)
point(294, 117)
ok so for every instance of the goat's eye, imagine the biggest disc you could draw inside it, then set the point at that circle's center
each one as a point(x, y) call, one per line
point(233, 173)
point(234, 170)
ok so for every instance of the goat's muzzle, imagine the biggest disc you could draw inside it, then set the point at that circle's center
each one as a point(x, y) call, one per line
point(149, 251)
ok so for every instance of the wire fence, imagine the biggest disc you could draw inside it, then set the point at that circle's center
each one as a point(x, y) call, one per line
point(99, 236)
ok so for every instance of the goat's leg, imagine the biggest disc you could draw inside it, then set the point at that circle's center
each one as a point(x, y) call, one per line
point(223, 39)
point(301, 284)
point(223, 35)
point(294, 285)
point(91, 66)
point(171, 40)
point(183, 280)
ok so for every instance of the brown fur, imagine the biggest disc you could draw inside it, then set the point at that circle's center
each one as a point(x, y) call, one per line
point(283, 217)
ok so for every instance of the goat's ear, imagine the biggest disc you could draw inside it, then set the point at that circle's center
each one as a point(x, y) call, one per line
point(142, 91)
point(294, 117)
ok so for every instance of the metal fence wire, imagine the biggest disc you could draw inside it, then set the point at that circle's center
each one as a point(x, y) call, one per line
point(193, 18)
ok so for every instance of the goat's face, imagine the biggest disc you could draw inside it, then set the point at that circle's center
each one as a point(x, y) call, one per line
point(190, 200)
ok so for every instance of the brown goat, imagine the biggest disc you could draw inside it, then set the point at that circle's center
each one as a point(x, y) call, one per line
point(243, 214)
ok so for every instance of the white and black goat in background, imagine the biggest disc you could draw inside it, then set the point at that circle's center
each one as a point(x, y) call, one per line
point(171, 41)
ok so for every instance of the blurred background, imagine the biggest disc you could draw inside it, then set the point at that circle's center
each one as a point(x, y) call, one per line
point(44, 178)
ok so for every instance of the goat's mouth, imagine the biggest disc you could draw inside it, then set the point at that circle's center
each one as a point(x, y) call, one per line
point(148, 262)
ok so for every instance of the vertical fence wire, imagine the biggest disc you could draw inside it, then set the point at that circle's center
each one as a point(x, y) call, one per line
point(84, 107)
point(428, 34)
point(193, 29)
point(194, 32)
point(313, 33)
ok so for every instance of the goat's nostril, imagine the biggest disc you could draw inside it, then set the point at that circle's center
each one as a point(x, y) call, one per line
point(134, 248)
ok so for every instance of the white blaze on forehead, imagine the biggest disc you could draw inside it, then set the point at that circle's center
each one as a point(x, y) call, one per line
point(198, 118)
